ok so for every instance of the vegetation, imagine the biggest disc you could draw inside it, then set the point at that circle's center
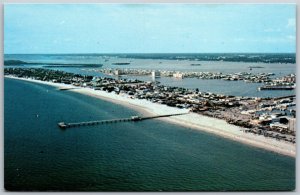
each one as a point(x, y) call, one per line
point(14, 62)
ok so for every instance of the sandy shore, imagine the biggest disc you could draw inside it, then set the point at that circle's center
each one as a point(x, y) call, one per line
point(192, 120)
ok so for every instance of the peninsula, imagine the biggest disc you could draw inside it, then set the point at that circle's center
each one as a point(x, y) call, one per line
point(267, 123)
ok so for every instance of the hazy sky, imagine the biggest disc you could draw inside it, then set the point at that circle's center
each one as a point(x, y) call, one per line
point(149, 28)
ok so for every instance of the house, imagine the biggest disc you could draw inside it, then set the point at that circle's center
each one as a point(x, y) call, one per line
point(178, 75)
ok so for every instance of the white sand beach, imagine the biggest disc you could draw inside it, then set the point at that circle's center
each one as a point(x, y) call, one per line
point(192, 120)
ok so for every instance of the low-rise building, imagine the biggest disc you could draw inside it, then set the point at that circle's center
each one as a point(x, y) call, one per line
point(117, 72)
point(178, 75)
point(155, 74)
point(292, 124)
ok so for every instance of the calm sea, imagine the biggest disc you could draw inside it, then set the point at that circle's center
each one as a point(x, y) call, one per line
point(143, 156)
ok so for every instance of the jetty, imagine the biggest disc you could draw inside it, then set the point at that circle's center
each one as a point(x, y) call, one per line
point(64, 125)
point(274, 87)
point(284, 97)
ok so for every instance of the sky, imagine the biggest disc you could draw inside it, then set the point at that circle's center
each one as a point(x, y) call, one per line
point(149, 28)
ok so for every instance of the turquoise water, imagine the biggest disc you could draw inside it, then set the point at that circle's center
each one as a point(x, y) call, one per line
point(143, 156)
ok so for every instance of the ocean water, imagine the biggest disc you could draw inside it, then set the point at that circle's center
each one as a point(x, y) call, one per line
point(236, 88)
point(143, 156)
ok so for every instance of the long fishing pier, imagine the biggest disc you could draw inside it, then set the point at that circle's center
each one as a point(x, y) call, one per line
point(68, 88)
point(64, 125)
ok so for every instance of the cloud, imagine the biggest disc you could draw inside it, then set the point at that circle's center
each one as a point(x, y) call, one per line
point(272, 30)
point(291, 37)
point(239, 39)
point(67, 39)
point(291, 23)
point(282, 39)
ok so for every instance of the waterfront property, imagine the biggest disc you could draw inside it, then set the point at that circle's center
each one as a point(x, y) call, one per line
point(41, 157)
point(254, 115)
point(267, 78)
point(149, 97)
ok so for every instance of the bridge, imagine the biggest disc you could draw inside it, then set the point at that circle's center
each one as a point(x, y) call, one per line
point(64, 125)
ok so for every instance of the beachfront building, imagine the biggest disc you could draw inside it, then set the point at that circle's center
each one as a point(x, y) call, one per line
point(178, 75)
point(292, 124)
point(290, 78)
point(117, 72)
point(155, 74)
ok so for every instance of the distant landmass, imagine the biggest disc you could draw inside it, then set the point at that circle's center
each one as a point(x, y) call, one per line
point(74, 65)
point(49, 65)
point(230, 57)
point(121, 63)
point(14, 62)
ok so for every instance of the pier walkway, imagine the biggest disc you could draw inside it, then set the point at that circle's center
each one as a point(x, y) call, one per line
point(67, 88)
point(64, 125)
point(283, 97)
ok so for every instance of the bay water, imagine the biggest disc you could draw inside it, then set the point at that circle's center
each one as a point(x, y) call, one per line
point(162, 62)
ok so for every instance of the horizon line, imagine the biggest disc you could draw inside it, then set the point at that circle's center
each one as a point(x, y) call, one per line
point(152, 53)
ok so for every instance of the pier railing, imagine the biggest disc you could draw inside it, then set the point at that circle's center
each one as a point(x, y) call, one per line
point(64, 125)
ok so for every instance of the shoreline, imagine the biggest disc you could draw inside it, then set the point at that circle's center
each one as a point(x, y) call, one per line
point(191, 120)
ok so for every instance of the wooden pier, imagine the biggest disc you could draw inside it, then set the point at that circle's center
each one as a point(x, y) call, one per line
point(64, 125)
point(67, 88)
